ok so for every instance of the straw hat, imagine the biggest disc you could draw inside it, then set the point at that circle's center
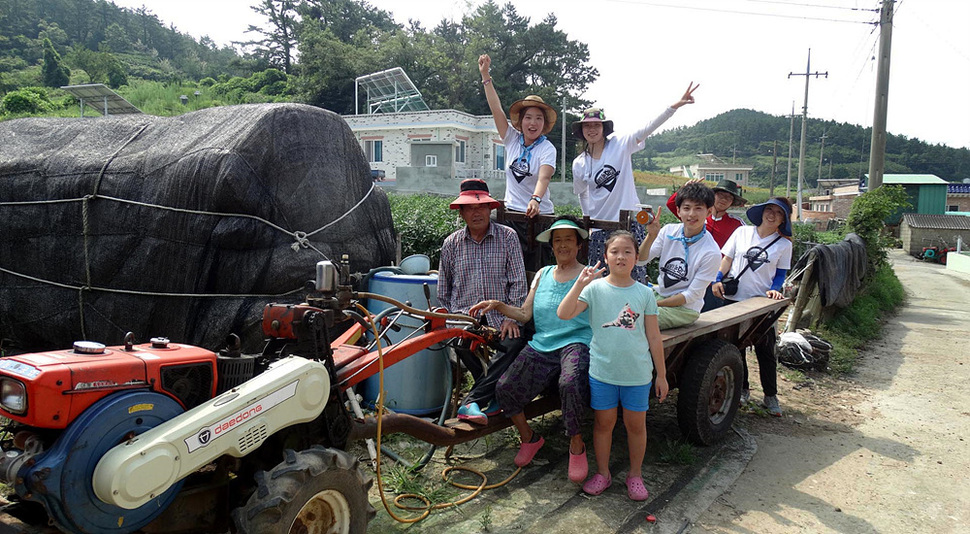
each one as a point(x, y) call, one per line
point(532, 101)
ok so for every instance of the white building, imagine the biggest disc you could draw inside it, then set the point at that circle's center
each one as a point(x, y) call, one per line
point(713, 169)
point(459, 144)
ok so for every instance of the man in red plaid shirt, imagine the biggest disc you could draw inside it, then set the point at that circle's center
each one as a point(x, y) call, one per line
point(482, 261)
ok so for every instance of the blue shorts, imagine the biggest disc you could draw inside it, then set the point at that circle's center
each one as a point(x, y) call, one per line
point(606, 396)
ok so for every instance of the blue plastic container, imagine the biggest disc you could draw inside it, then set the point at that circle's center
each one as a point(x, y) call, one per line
point(417, 385)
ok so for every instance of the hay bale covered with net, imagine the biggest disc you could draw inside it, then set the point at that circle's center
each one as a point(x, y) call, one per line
point(183, 227)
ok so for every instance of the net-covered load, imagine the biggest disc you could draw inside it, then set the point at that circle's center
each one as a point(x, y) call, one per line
point(181, 227)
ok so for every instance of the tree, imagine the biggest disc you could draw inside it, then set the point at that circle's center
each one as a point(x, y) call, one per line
point(55, 74)
point(280, 40)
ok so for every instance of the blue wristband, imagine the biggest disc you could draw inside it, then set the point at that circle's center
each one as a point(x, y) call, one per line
point(719, 277)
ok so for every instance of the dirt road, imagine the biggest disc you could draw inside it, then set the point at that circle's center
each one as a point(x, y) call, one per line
point(885, 452)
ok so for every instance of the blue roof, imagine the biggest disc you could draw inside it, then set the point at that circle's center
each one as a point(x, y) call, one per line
point(958, 188)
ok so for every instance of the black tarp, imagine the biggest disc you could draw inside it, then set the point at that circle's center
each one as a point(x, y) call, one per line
point(839, 269)
point(297, 167)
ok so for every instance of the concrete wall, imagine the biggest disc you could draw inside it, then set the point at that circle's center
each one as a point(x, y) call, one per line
point(961, 201)
point(914, 239)
point(958, 262)
point(437, 181)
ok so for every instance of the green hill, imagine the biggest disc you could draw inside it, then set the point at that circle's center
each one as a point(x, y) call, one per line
point(748, 137)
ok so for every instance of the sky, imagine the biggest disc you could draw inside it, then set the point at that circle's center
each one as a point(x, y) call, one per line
point(741, 52)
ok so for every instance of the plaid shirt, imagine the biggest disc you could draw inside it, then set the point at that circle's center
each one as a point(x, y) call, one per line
point(470, 271)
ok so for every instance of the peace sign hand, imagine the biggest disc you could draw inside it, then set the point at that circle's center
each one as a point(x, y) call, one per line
point(688, 96)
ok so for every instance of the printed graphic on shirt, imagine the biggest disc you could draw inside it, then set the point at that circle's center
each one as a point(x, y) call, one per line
point(627, 318)
point(675, 271)
point(756, 257)
point(606, 177)
point(520, 169)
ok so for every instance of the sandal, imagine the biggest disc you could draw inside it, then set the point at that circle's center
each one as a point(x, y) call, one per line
point(597, 484)
point(578, 467)
point(527, 451)
point(636, 490)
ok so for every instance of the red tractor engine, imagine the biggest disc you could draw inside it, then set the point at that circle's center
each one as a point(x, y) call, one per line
point(50, 389)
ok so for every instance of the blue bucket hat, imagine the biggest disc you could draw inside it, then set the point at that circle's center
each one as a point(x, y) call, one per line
point(755, 212)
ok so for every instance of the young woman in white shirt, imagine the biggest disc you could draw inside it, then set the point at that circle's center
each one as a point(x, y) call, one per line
point(603, 173)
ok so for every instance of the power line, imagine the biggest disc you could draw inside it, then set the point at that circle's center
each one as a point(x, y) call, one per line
point(738, 12)
point(779, 2)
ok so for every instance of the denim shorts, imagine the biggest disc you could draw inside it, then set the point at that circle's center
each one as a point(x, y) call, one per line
point(606, 396)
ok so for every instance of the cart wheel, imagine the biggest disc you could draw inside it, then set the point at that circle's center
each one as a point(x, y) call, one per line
point(709, 391)
point(316, 491)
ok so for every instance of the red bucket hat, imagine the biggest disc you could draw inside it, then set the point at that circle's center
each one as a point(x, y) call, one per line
point(474, 191)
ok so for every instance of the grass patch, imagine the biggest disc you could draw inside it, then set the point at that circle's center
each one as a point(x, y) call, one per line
point(677, 452)
point(851, 328)
point(793, 375)
point(402, 480)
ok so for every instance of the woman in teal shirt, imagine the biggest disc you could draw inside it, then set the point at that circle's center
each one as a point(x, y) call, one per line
point(558, 352)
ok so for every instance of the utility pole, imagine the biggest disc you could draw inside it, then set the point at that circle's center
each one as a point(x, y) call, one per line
point(774, 163)
point(801, 148)
point(820, 152)
point(562, 165)
point(877, 150)
point(791, 137)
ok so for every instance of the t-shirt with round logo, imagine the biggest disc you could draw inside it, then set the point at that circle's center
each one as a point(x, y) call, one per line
point(522, 171)
point(605, 185)
point(687, 270)
point(746, 248)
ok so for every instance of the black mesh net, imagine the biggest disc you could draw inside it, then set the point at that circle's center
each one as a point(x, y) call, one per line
point(109, 222)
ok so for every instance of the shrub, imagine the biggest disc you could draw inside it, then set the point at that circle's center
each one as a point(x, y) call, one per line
point(207, 82)
point(29, 100)
point(867, 218)
point(422, 223)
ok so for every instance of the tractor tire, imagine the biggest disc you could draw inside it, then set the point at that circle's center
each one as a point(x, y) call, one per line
point(315, 491)
point(710, 391)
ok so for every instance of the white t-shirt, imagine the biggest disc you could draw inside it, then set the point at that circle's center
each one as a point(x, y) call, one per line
point(605, 185)
point(521, 174)
point(691, 275)
point(746, 247)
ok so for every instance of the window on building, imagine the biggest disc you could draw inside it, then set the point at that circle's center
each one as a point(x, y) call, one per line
point(499, 157)
point(374, 150)
point(431, 160)
point(714, 176)
point(953, 208)
point(460, 152)
point(739, 177)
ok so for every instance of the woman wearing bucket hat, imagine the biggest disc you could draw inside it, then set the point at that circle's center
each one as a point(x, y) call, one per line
point(603, 173)
point(764, 252)
point(557, 354)
point(529, 157)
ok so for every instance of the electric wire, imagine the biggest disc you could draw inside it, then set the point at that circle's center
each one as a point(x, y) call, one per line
point(736, 12)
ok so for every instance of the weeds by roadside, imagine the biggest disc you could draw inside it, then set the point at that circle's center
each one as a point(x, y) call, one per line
point(677, 452)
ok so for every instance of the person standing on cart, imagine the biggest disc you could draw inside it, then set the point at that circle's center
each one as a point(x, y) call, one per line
point(530, 158)
point(483, 261)
point(603, 173)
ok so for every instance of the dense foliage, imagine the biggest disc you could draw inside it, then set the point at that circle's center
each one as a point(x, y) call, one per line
point(750, 135)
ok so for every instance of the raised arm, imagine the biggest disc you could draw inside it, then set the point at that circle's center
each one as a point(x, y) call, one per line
point(571, 306)
point(494, 104)
point(687, 98)
point(653, 229)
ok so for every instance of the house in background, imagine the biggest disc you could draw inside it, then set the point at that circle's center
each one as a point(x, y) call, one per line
point(836, 204)
point(920, 230)
point(926, 192)
point(402, 137)
point(958, 198)
point(713, 169)
point(395, 142)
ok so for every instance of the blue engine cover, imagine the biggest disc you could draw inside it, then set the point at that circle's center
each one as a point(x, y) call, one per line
point(61, 479)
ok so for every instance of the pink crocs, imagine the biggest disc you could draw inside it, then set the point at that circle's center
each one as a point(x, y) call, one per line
point(597, 484)
point(636, 490)
point(578, 467)
point(527, 452)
